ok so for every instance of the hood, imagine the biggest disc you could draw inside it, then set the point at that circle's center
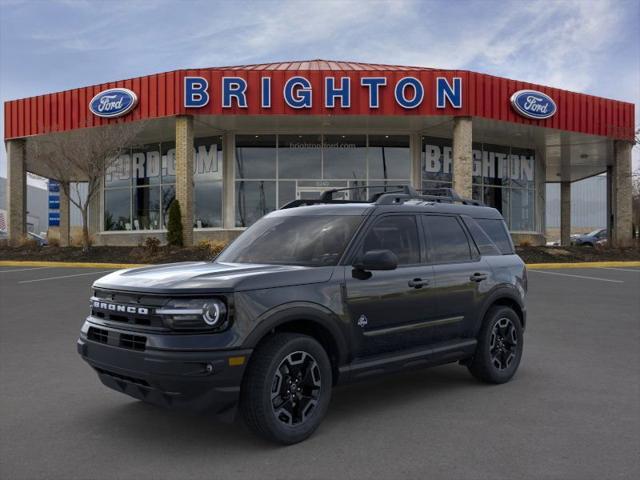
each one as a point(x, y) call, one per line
point(201, 277)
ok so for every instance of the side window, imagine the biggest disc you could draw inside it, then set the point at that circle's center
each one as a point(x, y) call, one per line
point(447, 239)
point(482, 240)
point(397, 233)
point(497, 231)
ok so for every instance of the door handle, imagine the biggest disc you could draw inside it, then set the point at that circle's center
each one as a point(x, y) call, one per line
point(478, 277)
point(418, 283)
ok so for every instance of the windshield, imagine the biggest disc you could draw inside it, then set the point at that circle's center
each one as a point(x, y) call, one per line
point(314, 240)
point(594, 233)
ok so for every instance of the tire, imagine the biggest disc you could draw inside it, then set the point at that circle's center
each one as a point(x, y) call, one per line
point(297, 370)
point(499, 349)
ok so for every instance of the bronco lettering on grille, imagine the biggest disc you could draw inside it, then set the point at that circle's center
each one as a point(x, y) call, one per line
point(113, 307)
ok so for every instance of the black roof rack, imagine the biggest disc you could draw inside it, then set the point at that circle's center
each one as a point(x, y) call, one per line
point(402, 194)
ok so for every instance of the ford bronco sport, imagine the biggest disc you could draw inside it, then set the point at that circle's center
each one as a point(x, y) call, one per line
point(318, 293)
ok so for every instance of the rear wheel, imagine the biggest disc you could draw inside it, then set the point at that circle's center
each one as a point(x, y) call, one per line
point(287, 388)
point(499, 347)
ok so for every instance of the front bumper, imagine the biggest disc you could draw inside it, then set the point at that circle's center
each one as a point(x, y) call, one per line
point(193, 380)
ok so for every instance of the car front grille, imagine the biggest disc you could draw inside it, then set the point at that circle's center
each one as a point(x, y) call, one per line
point(135, 311)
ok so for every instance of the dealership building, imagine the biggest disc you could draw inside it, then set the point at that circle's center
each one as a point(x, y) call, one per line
point(234, 143)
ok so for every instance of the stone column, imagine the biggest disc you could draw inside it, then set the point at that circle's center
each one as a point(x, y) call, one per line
point(228, 180)
point(65, 215)
point(415, 147)
point(621, 235)
point(184, 174)
point(565, 213)
point(462, 156)
point(16, 191)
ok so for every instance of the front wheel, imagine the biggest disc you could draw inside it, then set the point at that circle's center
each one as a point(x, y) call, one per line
point(287, 388)
point(499, 347)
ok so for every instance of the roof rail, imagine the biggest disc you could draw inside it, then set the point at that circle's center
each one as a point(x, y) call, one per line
point(402, 194)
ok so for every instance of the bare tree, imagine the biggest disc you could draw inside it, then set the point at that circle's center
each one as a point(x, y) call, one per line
point(84, 156)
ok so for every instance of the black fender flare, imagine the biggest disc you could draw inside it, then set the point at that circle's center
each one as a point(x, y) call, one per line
point(297, 311)
point(499, 293)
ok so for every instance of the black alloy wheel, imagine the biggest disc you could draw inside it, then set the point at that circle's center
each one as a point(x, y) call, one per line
point(504, 343)
point(499, 347)
point(287, 388)
point(295, 390)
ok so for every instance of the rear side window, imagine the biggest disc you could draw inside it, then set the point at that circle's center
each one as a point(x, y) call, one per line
point(482, 240)
point(497, 231)
point(447, 240)
point(397, 233)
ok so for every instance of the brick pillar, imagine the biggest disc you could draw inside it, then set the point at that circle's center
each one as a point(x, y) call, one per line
point(462, 156)
point(621, 185)
point(16, 191)
point(228, 180)
point(415, 147)
point(184, 174)
point(565, 213)
point(65, 215)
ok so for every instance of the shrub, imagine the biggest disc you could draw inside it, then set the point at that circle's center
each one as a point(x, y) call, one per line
point(174, 226)
point(152, 245)
point(54, 242)
point(212, 247)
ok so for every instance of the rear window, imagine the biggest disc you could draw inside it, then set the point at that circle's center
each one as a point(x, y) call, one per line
point(482, 240)
point(498, 233)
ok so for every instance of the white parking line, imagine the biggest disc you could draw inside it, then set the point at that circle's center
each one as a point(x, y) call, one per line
point(23, 269)
point(621, 269)
point(577, 276)
point(63, 276)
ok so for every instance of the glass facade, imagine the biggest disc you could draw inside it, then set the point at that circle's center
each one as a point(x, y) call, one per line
point(503, 178)
point(140, 185)
point(272, 170)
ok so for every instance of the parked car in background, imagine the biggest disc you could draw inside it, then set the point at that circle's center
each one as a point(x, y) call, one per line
point(41, 240)
point(591, 239)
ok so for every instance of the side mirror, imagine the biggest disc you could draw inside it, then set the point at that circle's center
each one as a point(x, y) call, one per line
point(377, 260)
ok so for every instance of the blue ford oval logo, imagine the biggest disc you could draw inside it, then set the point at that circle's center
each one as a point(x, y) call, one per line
point(533, 104)
point(114, 102)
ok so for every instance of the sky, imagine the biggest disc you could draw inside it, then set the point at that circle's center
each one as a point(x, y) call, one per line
point(590, 46)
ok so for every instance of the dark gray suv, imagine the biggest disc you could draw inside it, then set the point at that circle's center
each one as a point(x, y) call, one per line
point(318, 293)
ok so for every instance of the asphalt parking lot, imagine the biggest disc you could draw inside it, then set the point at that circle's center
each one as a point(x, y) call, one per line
point(572, 411)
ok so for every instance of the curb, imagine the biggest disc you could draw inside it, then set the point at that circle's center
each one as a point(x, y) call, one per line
point(542, 266)
point(532, 266)
point(29, 263)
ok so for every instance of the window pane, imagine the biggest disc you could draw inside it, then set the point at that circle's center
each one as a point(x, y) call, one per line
point(168, 195)
point(253, 200)
point(447, 240)
point(208, 159)
point(522, 164)
point(497, 231)
point(497, 198)
point(255, 156)
point(145, 165)
point(389, 157)
point(345, 156)
point(117, 209)
point(118, 174)
point(398, 234)
point(300, 156)
point(521, 215)
point(495, 164)
point(286, 192)
point(208, 205)
point(146, 208)
point(168, 162)
point(436, 159)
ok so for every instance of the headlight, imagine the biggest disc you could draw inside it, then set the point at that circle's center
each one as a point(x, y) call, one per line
point(201, 314)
